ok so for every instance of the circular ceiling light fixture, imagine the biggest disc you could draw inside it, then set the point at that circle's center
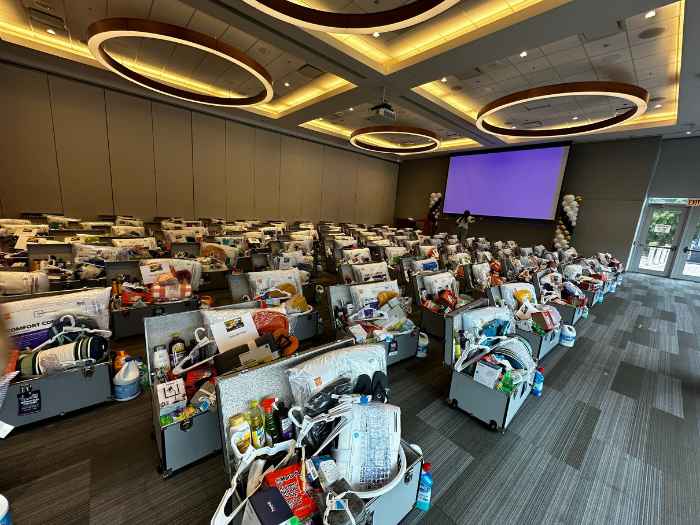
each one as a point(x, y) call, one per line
point(102, 31)
point(401, 17)
point(636, 95)
point(359, 139)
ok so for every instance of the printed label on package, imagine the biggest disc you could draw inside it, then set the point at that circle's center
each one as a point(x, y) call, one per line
point(28, 402)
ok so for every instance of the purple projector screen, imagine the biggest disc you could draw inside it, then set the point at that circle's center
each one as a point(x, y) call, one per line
point(519, 183)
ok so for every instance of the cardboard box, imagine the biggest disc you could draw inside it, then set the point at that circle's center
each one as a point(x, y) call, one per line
point(171, 396)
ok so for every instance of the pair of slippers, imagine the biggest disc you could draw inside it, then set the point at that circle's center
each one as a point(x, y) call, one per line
point(377, 386)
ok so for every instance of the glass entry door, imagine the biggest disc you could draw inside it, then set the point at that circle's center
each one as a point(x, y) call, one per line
point(687, 265)
point(658, 239)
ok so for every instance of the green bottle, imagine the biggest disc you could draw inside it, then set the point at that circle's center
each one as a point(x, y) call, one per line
point(257, 424)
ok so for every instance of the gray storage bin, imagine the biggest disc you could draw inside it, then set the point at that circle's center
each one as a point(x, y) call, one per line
point(38, 398)
point(213, 280)
point(182, 442)
point(128, 322)
point(541, 344)
point(569, 314)
point(234, 390)
point(406, 343)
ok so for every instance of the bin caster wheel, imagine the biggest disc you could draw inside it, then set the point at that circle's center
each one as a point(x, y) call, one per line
point(493, 425)
point(452, 403)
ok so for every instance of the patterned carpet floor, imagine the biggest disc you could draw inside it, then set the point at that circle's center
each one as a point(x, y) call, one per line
point(614, 439)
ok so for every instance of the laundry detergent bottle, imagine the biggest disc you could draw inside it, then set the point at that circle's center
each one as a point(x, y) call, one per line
point(425, 488)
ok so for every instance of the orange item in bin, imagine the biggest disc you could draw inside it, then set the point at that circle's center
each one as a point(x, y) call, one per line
point(269, 321)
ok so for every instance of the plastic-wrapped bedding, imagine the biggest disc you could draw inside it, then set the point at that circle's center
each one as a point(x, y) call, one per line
point(195, 233)
point(90, 225)
point(357, 256)
point(128, 231)
point(368, 294)
point(508, 289)
point(226, 254)
point(128, 221)
point(427, 251)
point(136, 242)
point(472, 321)
point(3, 222)
point(459, 259)
point(28, 321)
point(59, 221)
point(261, 282)
point(364, 273)
point(394, 253)
point(305, 245)
point(425, 265)
point(177, 265)
point(222, 315)
point(435, 283)
point(307, 378)
point(32, 229)
point(87, 252)
point(17, 283)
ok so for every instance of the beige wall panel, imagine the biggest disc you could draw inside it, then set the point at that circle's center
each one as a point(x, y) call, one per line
point(312, 181)
point(209, 165)
point(388, 202)
point(240, 148)
point(267, 174)
point(28, 168)
point(130, 132)
point(370, 190)
point(347, 169)
point(293, 178)
point(80, 124)
point(173, 161)
point(330, 183)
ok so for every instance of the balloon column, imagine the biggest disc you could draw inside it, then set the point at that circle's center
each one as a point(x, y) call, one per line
point(566, 222)
point(434, 210)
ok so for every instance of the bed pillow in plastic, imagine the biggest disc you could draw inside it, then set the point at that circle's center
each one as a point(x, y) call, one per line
point(426, 265)
point(87, 252)
point(435, 283)
point(261, 282)
point(459, 259)
point(127, 231)
point(481, 273)
point(225, 254)
point(368, 294)
point(309, 377)
point(427, 251)
point(394, 253)
point(357, 256)
point(508, 291)
point(365, 273)
point(138, 242)
point(152, 268)
point(16, 283)
point(28, 321)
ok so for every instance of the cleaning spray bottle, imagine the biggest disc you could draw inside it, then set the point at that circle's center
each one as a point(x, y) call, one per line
point(425, 488)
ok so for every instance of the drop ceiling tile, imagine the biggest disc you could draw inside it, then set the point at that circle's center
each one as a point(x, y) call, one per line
point(514, 84)
point(662, 13)
point(533, 66)
point(561, 45)
point(210, 69)
point(580, 77)
point(666, 73)
point(606, 45)
point(184, 60)
point(540, 78)
point(532, 54)
point(478, 82)
point(129, 8)
point(80, 14)
point(653, 61)
point(155, 53)
point(207, 24)
point(264, 53)
point(284, 65)
point(238, 39)
point(668, 45)
point(500, 70)
point(575, 68)
point(570, 55)
point(610, 59)
point(171, 12)
point(653, 31)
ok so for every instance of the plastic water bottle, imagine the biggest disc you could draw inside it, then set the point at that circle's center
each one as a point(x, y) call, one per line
point(425, 488)
point(538, 384)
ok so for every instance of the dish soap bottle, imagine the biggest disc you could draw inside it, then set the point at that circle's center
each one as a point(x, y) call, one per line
point(425, 488)
point(257, 424)
point(538, 383)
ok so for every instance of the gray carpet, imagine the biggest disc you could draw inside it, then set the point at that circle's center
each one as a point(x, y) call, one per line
point(614, 439)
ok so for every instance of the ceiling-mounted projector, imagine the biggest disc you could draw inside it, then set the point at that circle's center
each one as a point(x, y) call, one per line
point(384, 111)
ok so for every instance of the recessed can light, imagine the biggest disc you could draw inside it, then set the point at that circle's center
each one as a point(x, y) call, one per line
point(443, 79)
point(287, 84)
point(575, 118)
point(650, 14)
point(376, 34)
point(51, 31)
point(688, 132)
point(523, 54)
point(351, 109)
point(658, 106)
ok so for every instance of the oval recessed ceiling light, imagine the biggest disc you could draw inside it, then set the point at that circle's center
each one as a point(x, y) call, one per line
point(650, 14)
point(359, 139)
point(102, 31)
point(51, 31)
point(637, 96)
point(652, 32)
point(287, 84)
point(658, 106)
point(401, 17)
point(575, 118)
point(443, 79)
point(523, 54)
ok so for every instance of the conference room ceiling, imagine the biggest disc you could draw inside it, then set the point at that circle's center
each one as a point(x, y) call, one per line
point(436, 74)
